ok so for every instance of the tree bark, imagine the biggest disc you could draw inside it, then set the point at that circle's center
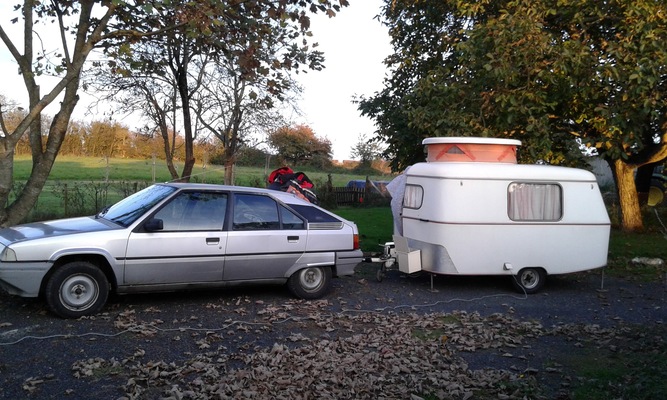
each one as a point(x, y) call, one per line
point(631, 216)
point(229, 171)
point(43, 155)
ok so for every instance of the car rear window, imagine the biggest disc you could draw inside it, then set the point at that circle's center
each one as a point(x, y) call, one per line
point(313, 215)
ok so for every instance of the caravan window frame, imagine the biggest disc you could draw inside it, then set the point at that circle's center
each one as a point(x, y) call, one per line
point(413, 200)
point(524, 212)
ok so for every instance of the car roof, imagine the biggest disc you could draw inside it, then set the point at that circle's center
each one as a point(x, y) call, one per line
point(280, 195)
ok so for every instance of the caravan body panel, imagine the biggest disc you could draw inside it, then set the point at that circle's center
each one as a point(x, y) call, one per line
point(496, 218)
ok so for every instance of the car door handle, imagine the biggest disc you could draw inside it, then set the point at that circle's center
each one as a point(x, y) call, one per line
point(212, 240)
point(292, 239)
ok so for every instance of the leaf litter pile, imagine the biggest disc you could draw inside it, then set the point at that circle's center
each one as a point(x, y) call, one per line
point(312, 352)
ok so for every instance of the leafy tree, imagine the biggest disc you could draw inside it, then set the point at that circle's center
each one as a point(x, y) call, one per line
point(74, 141)
point(299, 145)
point(366, 150)
point(106, 139)
point(544, 72)
point(233, 69)
point(82, 26)
point(235, 108)
point(112, 26)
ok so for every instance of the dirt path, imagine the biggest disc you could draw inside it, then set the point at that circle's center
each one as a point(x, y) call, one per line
point(470, 338)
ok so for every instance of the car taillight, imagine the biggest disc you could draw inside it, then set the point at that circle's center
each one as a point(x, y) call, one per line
point(356, 241)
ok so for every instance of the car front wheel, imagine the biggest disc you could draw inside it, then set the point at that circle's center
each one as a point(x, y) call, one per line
point(529, 280)
point(77, 289)
point(310, 283)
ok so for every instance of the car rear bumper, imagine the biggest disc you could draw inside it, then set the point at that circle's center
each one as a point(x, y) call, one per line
point(347, 260)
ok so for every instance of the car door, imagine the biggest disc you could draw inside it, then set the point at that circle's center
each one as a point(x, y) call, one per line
point(189, 248)
point(265, 238)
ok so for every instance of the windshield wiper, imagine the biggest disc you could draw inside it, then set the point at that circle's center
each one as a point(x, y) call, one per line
point(104, 211)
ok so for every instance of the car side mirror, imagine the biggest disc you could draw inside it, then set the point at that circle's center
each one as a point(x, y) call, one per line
point(154, 224)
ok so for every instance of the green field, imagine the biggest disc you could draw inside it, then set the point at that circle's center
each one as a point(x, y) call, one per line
point(96, 169)
point(84, 185)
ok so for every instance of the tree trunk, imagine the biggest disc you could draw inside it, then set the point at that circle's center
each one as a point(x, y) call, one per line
point(631, 216)
point(184, 92)
point(229, 171)
point(168, 152)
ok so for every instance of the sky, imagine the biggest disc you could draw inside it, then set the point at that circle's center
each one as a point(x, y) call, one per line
point(354, 45)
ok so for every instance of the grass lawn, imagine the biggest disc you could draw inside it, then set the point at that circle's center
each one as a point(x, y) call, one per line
point(68, 168)
point(375, 225)
point(90, 183)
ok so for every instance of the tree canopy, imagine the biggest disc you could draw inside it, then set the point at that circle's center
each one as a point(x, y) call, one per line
point(237, 27)
point(366, 150)
point(298, 145)
point(542, 71)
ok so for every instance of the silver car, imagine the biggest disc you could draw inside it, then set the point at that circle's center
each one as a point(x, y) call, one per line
point(178, 236)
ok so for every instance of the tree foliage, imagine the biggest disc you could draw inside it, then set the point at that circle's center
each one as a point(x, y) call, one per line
point(113, 27)
point(366, 150)
point(545, 72)
point(222, 69)
point(298, 145)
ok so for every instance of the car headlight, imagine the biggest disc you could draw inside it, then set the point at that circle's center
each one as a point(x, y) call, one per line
point(7, 254)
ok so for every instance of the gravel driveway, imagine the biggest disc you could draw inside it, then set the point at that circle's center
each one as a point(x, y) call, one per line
point(471, 337)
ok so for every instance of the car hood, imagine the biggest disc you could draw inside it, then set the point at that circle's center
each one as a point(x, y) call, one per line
point(37, 230)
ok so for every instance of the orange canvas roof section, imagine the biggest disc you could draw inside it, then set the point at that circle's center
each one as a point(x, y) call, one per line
point(471, 149)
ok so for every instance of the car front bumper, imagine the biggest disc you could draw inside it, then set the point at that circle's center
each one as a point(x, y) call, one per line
point(23, 278)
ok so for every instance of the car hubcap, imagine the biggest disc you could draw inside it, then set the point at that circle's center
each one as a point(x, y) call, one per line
point(78, 292)
point(311, 278)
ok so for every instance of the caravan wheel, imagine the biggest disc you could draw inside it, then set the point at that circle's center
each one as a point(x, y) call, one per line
point(529, 280)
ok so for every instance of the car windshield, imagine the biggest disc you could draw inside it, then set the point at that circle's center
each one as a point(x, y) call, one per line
point(128, 210)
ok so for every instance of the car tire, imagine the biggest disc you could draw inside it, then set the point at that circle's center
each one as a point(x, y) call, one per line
point(529, 280)
point(77, 289)
point(310, 283)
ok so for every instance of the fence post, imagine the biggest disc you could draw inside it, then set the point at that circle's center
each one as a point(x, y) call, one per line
point(65, 200)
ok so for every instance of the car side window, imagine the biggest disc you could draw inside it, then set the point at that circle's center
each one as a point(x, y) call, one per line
point(291, 220)
point(255, 212)
point(194, 211)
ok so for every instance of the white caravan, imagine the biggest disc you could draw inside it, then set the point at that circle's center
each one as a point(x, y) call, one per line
point(472, 210)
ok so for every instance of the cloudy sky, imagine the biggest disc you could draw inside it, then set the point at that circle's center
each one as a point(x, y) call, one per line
point(354, 44)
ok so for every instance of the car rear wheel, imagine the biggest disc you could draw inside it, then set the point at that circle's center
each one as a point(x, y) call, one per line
point(529, 280)
point(310, 283)
point(77, 289)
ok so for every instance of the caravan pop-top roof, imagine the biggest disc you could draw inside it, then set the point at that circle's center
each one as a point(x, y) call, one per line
point(502, 171)
point(487, 158)
point(471, 149)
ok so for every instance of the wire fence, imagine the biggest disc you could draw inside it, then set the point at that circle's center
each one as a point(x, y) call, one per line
point(62, 199)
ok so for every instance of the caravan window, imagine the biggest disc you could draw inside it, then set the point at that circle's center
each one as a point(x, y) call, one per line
point(414, 196)
point(535, 202)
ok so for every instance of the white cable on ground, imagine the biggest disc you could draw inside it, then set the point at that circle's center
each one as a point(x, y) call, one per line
point(664, 230)
point(141, 327)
